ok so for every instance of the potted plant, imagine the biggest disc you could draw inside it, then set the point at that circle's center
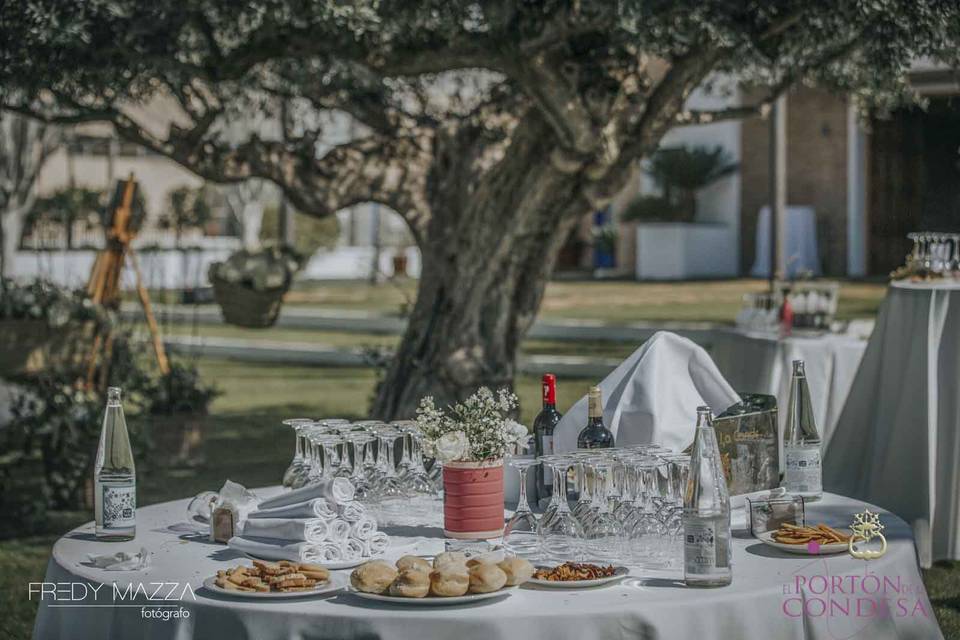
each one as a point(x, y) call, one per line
point(470, 440)
point(175, 403)
point(249, 286)
point(42, 324)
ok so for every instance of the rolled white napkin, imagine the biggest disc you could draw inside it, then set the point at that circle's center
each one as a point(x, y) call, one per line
point(307, 530)
point(353, 549)
point(328, 552)
point(377, 543)
point(363, 528)
point(316, 508)
point(270, 549)
point(338, 530)
point(352, 511)
point(336, 490)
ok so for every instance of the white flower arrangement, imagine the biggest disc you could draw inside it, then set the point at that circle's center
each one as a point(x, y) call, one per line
point(474, 430)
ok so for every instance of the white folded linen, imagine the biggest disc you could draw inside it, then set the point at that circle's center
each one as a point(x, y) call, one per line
point(316, 508)
point(336, 490)
point(354, 549)
point(377, 544)
point(307, 530)
point(352, 511)
point(271, 549)
point(120, 561)
point(338, 530)
point(329, 552)
point(363, 528)
point(652, 397)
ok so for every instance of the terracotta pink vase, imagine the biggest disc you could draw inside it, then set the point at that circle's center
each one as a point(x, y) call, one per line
point(473, 499)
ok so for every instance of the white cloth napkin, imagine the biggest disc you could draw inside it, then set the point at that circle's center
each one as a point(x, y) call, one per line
point(339, 530)
point(120, 561)
point(376, 544)
point(352, 511)
point(316, 508)
point(353, 549)
point(306, 530)
point(652, 397)
point(363, 528)
point(336, 490)
point(269, 549)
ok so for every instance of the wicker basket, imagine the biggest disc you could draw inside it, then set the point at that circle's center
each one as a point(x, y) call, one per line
point(245, 307)
point(29, 346)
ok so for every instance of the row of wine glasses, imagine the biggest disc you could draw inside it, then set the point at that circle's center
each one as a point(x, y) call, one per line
point(396, 488)
point(934, 254)
point(627, 506)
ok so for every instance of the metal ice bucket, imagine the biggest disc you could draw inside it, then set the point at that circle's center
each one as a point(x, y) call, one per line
point(749, 443)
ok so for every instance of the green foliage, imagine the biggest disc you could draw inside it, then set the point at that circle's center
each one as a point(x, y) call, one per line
point(649, 208)
point(266, 269)
point(310, 234)
point(187, 208)
point(73, 204)
point(605, 238)
point(44, 300)
point(182, 391)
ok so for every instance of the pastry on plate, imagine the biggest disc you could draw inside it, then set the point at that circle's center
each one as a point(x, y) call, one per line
point(518, 570)
point(411, 583)
point(454, 558)
point(414, 562)
point(485, 578)
point(373, 577)
point(449, 581)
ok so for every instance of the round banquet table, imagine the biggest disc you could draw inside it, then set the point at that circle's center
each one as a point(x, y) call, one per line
point(897, 442)
point(762, 602)
point(757, 362)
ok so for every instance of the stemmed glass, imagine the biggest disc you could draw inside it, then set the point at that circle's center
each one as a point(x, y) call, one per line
point(643, 528)
point(679, 470)
point(521, 535)
point(389, 490)
point(359, 440)
point(298, 465)
point(561, 536)
point(604, 535)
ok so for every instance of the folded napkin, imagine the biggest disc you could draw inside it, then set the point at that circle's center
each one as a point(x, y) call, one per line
point(120, 561)
point(306, 530)
point(354, 549)
point(652, 397)
point(336, 490)
point(376, 544)
point(352, 511)
point(339, 530)
point(316, 508)
point(363, 528)
point(271, 549)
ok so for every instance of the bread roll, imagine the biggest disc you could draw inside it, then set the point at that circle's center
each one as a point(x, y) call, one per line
point(485, 578)
point(449, 581)
point(413, 562)
point(479, 560)
point(373, 577)
point(411, 583)
point(454, 558)
point(518, 570)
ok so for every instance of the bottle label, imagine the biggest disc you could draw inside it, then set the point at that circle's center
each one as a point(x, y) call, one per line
point(547, 443)
point(803, 472)
point(119, 507)
point(702, 548)
point(549, 390)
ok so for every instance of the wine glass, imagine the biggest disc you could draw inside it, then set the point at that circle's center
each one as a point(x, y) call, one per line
point(390, 493)
point(521, 535)
point(604, 535)
point(359, 440)
point(643, 528)
point(297, 466)
point(561, 536)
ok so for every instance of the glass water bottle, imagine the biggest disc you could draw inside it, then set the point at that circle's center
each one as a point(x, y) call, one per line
point(115, 479)
point(801, 441)
point(707, 558)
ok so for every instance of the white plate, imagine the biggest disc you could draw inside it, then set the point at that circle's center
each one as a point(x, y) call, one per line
point(804, 549)
point(619, 573)
point(433, 601)
point(335, 583)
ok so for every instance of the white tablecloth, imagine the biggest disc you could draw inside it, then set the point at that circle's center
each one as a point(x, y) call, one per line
point(761, 363)
point(897, 443)
point(760, 604)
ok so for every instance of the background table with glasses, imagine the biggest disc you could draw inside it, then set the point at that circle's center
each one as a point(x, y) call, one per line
point(755, 606)
point(897, 442)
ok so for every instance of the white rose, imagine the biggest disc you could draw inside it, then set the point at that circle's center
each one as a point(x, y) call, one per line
point(452, 446)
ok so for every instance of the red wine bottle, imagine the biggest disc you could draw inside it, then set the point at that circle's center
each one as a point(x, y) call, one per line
point(543, 426)
point(595, 435)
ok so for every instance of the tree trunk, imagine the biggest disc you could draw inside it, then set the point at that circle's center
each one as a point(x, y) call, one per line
point(487, 254)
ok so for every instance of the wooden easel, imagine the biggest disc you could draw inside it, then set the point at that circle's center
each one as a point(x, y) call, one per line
point(104, 285)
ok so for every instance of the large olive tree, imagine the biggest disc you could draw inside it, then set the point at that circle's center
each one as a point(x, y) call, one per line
point(491, 127)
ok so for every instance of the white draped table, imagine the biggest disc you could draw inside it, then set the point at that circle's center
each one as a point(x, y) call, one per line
point(761, 363)
point(897, 443)
point(760, 604)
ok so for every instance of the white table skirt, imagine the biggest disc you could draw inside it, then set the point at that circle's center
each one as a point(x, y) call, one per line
point(898, 439)
point(761, 363)
point(757, 605)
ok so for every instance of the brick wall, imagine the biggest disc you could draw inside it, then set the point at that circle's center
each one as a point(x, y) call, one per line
point(816, 172)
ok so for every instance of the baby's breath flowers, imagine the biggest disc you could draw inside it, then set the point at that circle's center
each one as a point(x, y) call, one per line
point(473, 430)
